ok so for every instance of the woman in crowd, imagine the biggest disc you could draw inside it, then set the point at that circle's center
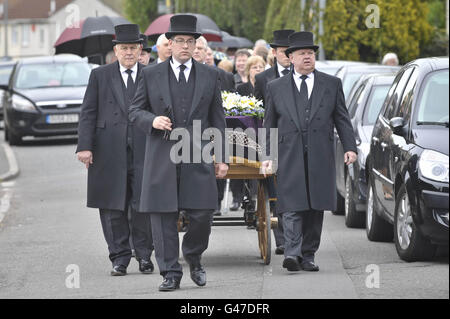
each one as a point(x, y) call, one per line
point(254, 65)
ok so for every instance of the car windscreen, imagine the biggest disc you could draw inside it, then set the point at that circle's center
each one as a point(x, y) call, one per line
point(32, 76)
point(374, 104)
point(433, 102)
point(5, 72)
point(350, 80)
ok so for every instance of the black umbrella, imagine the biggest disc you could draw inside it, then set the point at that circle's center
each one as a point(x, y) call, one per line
point(229, 41)
point(93, 36)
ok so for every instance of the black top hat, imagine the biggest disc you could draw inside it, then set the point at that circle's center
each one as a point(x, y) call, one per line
point(127, 33)
point(301, 40)
point(183, 24)
point(281, 38)
point(145, 46)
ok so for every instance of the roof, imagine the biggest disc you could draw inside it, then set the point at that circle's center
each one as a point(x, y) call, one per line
point(60, 58)
point(36, 9)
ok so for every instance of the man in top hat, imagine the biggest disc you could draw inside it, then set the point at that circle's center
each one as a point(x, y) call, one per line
point(305, 106)
point(281, 68)
point(113, 152)
point(145, 57)
point(172, 95)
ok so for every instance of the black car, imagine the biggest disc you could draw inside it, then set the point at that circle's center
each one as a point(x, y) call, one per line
point(44, 96)
point(351, 184)
point(408, 165)
point(350, 74)
point(5, 72)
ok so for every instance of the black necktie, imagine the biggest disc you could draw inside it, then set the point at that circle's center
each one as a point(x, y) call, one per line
point(285, 72)
point(304, 90)
point(131, 88)
point(182, 77)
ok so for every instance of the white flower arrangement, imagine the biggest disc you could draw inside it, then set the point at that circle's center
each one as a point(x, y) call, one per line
point(237, 105)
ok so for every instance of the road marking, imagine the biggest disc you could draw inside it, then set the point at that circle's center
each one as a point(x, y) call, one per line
point(5, 200)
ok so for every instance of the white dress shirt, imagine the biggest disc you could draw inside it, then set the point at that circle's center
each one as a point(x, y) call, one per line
point(176, 68)
point(280, 69)
point(123, 72)
point(309, 81)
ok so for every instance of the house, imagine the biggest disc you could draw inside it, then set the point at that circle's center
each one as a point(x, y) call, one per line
point(34, 25)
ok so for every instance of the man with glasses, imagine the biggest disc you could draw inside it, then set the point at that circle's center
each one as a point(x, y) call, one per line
point(172, 95)
point(113, 152)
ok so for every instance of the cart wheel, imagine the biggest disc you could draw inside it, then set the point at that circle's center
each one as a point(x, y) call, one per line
point(264, 223)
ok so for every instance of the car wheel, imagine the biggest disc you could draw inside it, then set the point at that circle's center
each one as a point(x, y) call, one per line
point(377, 229)
point(409, 242)
point(340, 208)
point(353, 218)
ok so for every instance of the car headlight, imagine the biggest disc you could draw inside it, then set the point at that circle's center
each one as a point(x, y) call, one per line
point(21, 104)
point(434, 165)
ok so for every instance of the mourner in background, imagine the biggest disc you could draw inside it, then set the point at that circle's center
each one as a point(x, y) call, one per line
point(163, 49)
point(306, 106)
point(171, 95)
point(145, 58)
point(113, 152)
point(255, 65)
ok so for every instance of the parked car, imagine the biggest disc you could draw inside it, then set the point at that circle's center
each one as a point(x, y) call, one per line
point(351, 184)
point(44, 96)
point(408, 165)
point(350, 74)
point(332, 66)
point(5, 72)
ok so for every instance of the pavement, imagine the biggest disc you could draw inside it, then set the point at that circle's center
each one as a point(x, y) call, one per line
point(9, 169)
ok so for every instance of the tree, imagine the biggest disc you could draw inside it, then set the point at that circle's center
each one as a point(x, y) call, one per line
point(141, 12)
point(350, 34)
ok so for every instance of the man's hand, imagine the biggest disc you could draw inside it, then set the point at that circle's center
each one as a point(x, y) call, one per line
point(85, 157)
point(266, 168)
point(162, 123)
point(350, 157)
point(221, 170)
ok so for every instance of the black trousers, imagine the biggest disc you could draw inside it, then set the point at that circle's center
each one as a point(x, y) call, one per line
point(166, 239)
point(303, 230)
point(117, 227)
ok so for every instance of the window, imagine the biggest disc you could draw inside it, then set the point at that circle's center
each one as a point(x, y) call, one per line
point(404, 108)
point(52, 75)
point(15, 35)
point(25, 35)
point(41, 38)
point(397, 94)
point(356, 100)
point(374, 104)
point(433, 102)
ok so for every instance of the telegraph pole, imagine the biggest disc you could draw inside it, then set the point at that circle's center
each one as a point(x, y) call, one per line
point(5, 24)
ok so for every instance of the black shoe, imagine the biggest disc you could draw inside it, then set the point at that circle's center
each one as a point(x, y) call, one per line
point(291, 263)
point(217, 213)
point(235, 206)
point(170, 284)
point(146, 266)
point(309, 266)
point(279, 250)
point(119, 271)
point(198, 275)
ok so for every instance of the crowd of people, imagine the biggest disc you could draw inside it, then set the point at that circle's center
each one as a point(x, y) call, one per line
point(124, 141)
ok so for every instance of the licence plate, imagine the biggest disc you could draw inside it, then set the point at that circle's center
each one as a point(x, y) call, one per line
point(62, 118)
